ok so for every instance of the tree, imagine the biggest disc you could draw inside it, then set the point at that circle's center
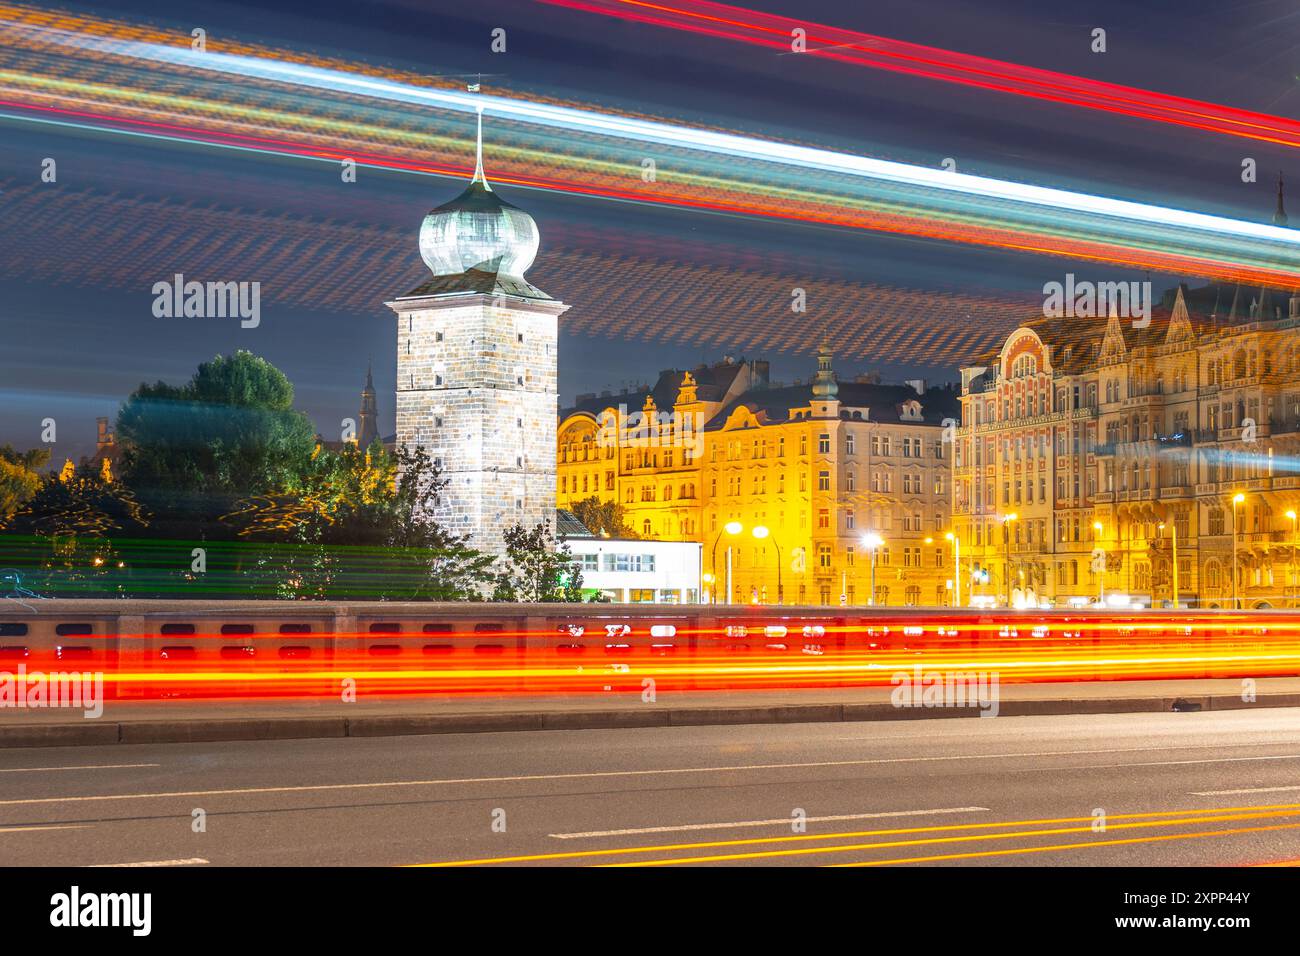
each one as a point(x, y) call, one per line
point(608, 518)
point(537, 567)
point(190, 451)
point(20, 478)
point(358, 524)
point(66, 530)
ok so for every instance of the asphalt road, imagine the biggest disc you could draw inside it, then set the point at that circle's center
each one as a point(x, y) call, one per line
point(1175, 789)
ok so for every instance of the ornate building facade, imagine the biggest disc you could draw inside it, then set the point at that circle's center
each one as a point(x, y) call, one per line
point(834, 475)
point(1097, 457)
point(477, 381)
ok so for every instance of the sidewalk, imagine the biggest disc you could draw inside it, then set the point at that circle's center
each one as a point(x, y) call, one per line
point(180, 721)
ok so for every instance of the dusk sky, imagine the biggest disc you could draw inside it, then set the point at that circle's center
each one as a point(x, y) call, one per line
point(79, 333)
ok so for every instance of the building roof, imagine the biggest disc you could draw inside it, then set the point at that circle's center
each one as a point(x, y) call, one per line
point(884, 402)
point(1076, 342)
point(567, 524)
point(476, 282)
point(711, 385)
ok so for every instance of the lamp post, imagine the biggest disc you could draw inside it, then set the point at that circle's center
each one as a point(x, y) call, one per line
point(1006, 545)
point(1173, 537)
point(872, 543)
point(732, 528)
point(1101, 577)
point(1292, 516)
point(956, 567)
point(1237, 499)
point(761, 532)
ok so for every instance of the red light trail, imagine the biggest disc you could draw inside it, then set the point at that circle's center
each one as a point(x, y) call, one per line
point(581, 657)
point(883, 53)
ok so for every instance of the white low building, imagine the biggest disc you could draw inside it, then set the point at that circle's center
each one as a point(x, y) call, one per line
point(625, 570)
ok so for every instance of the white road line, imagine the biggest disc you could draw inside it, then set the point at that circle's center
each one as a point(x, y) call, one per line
point(193, 861)
point(49, 826)
point(94, 766)
point(1233, 793)
point(783, 821)
point(591, 775)
point(1172, 763)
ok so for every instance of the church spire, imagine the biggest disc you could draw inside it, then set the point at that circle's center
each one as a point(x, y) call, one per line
point(368, 417)
point(1279, 214)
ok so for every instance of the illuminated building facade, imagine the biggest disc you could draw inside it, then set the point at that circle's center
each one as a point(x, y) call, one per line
point(1092, 448)
point(835, 473)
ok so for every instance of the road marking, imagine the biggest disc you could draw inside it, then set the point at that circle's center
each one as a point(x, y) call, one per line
point(193, 861)
point(51, 826)
point(1190, 820)
point(605, 774)
point(1161, 817)
point(765, 823)
point(93, 766)
point(590, 775)
point(1178, 763)
point(1231, 793)
point(1074, 846)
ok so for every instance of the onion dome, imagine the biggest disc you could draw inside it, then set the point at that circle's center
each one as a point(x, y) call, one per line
point(478, 230)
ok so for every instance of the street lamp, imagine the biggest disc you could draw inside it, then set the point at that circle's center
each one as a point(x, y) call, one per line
point(872, 542)
point(732, 528)
point(1292, 516)
point(762, 532)
point(956, 567)
point(1101, 577)
point(1173, 536)
point(1237, 499)
point(1006, 544)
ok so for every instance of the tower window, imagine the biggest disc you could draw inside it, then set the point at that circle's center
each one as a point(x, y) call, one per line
point(437, 420)
point(437, 336)
point(437, 380)
point(520, 336)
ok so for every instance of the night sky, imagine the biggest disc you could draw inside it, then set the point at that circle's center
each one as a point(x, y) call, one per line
point(74, 343)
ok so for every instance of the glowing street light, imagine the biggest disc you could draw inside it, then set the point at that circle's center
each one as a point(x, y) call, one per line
point(1101, 577)
point(1237, 499)
point(956, 567)
point(1006, 545)
point(761, 532)
point(872, 542)
point(1292, 516)
point(1173, 537)
point(732, 528)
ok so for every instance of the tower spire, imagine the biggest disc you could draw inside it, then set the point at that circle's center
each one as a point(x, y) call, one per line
point(479, 176)
point(1279, 214)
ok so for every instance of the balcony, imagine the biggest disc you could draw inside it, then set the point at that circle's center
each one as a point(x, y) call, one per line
point(1283, 425)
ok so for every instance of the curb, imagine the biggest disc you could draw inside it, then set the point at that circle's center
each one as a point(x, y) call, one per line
point(94, 733)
